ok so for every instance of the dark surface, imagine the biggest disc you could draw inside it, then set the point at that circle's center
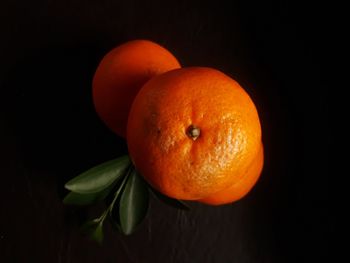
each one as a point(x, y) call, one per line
point(49, 131)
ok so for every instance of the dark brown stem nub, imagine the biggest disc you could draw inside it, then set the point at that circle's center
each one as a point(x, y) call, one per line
point(193, 132)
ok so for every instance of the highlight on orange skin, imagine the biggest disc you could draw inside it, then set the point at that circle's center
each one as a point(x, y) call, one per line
point(242, 187)
point(121, 74)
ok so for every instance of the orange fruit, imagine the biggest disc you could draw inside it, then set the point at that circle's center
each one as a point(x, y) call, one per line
point(193, 132)
point(121, 74)
point(240, 188)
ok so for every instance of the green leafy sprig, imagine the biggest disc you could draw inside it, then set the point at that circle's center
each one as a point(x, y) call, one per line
point(119, 182)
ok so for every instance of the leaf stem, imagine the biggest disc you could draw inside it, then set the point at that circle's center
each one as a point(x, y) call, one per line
point(111, 206)
point(103, 216)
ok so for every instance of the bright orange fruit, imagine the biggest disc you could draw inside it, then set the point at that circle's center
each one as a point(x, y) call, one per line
point(121, 74)
point(193, 132)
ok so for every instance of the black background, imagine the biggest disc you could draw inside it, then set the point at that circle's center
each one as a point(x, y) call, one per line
point(49, 131)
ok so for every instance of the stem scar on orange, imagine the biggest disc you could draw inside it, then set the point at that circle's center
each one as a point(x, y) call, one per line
point(121, 74)
point(193, 132)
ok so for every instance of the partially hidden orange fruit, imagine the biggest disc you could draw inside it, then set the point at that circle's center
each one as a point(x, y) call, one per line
point(121, 74)
point(193, 132)
point(240, 188)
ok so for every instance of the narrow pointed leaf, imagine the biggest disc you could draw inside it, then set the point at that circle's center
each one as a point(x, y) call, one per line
point(99, 177)
point(133, 203)
point(170, 201)
point(73, 198)
point(94, 229)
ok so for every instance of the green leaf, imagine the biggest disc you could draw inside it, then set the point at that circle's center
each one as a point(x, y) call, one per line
point(99, 177)
point(94, 229)
point(73, 198)
point(170, 201)
point(133, 203)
